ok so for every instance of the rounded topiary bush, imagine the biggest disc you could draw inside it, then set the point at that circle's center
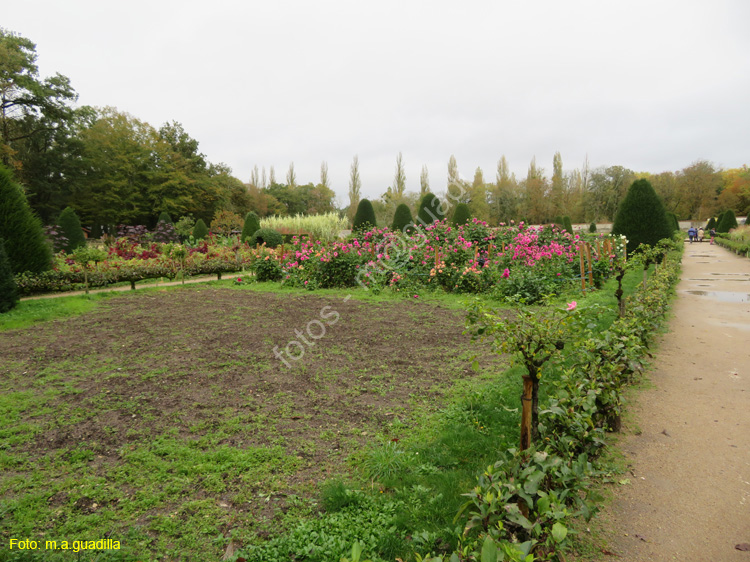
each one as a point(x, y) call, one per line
point(402, 218)
point(25, 243)
point(364, 219)
point(711, 223)
point(429, 210)
point(641, 216)
point(164, 217)
point(267, 236)
point(8, 288)
point(461, 215)
point(70, 228)
point(592, 227)
point(251, 226)
point(200, 230)
point(728, 221)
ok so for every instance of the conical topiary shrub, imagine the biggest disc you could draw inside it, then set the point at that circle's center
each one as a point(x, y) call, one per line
point(164, 217)
point(711, 223)
point(567, 225)
point(728, 221)
point(200, 230)
point(70, 228)
point(364, 219)
point(402, 218)
point(25, 244)
point(592, 227)
point(672, 218)
point(461, 215)
point(8, 289)
point(641, 216)
point(429, 210)
point(251, 226)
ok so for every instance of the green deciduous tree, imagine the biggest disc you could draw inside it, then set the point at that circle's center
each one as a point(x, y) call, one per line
point(641, 217)
point(22, 231)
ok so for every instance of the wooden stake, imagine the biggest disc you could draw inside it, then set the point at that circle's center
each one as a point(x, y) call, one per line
point(583, 272)
point(588, 257)
point(526, 398)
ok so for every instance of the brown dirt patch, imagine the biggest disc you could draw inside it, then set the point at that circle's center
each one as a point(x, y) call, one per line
point(187, 361)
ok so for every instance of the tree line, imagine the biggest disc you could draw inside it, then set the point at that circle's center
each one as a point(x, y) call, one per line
point(113, 168)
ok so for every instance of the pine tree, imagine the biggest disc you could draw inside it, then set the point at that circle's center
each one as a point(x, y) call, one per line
point(8, 289)
point(200, 230)
point(402, 218)
point(251, 226)
point(365, 217)
point(728, 221)
point(461, 215)
point(429, 210)
point(641, 216)
point(25, 243)
point(70, 228)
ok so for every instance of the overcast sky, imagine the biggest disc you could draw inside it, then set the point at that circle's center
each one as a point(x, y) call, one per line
point(651, 85)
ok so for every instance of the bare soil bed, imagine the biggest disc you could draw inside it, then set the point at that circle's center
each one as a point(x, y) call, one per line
point(196, 368)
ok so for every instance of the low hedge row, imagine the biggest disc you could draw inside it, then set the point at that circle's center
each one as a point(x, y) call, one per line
point(521, 507)
point(738, 247)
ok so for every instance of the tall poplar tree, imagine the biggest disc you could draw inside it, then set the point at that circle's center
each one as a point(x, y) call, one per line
point(355, 187)
point(424, 181)
point(399, 180)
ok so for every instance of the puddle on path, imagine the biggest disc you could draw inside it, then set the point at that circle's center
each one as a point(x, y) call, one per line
point(722, 296)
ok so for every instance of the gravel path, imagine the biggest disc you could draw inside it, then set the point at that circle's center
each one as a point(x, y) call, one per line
point(687, 444)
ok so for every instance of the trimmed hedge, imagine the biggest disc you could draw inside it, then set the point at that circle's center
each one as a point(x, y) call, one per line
point(70, 228)
point(429, 210)
point(641, 217)
point(267, 236)
point(25, 243)
point(8, 289)
point(251, 226)
point(200, 230)
point(461, 215)
point(401, 218)
point(364, 219)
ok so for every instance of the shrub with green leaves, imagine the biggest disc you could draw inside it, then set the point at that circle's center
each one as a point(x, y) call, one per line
point(164, 217)
point(673, 221)
point(711, 223)
point(364, 219)
point(266, 236)
point(429, 210)
point(728, 221)
point(25, 243)
point(402, 218)
point(592, 227)
point(200, 230)
point(461, 215)
point(70, 228)
point(641, 216)
point(267, 268)
point(251, 226)
point(8, 289)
